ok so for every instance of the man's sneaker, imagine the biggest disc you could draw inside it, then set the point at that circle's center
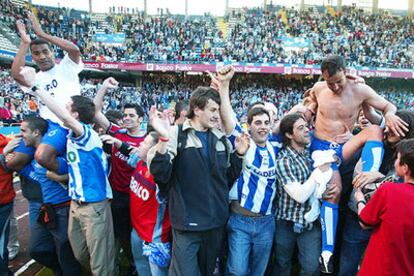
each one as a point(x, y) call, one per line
point(326, 263)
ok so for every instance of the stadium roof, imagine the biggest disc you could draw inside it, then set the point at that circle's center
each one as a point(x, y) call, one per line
point(215, 7)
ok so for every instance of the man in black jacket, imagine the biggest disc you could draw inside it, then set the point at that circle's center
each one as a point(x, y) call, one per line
point(196, 172)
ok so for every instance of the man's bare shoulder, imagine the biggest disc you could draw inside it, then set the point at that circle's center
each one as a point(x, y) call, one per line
point(319, 86)
point(360, 88)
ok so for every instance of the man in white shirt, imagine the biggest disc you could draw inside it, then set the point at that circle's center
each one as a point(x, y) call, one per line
point(61, 81)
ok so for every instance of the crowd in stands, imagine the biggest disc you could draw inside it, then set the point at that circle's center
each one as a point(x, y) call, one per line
point(374, 40)
point(164, 90)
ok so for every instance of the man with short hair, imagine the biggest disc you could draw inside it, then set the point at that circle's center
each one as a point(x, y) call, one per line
point(90, 221)
point(131, 134)
point(295, 185)
point(49, 243)
point(195, 165)
point(333, 128)
point(253, 192)
point(61, 81)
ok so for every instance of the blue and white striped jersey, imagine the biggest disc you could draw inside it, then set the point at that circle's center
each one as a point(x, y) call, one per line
point(88, 167)
point(256, 187)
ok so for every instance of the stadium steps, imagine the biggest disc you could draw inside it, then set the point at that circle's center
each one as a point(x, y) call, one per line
point(19, 3)
point(101, 19)
point(6, 44)
point(330, 10)
point(284, 18)
point(9, 34)
point(221, 25)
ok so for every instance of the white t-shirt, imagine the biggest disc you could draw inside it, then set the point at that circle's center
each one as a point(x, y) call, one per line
point(62, 82)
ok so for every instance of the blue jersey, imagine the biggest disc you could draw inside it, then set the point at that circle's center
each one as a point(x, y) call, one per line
point(53, 192)
point(88, 167)
point(256, 187)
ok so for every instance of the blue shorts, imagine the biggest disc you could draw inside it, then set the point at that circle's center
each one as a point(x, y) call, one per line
point(317, 144)
point(55, 137)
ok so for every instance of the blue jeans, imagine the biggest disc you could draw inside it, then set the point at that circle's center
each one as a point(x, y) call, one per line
point(309, 245)
point(354, 242)
point(34, 208)
point(5, 211)
point(250, 244)
point(142, 264)
point(51, 247)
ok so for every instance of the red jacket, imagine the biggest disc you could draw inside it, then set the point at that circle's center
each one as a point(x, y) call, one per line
point(7, 193)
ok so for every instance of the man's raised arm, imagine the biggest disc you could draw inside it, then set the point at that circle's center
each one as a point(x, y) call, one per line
point(221, 82)
point(20, 59)
point(100, 118)
point(67, 46)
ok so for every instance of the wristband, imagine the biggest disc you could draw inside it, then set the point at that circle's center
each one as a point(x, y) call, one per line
point(163, 139)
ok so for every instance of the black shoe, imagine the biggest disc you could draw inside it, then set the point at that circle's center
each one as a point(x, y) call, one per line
point(326, 265)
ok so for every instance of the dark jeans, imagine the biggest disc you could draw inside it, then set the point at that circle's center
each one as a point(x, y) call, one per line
point(51, 247)
point(354, 242)
point(5, 211)
point(122, 221)
point(309, 245)
point(195, 253)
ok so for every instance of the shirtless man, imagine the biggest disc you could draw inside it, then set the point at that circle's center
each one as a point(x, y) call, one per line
point(336, 102)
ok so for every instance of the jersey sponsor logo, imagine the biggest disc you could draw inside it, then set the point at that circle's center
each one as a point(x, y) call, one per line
point(51, 85)
point(71, 156)
point(271, 173)
point(139, 190)
point(52, 133)
point(121, 156)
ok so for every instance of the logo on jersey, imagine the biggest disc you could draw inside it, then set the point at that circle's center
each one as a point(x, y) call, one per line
point(71, 156)
point(52, 133)
point(50, 86)
point(139, 190)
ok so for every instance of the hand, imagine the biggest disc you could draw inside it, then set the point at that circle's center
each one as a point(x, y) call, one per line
point(110, 83)
point(12, 144)
point(21, 28)
point(29, 75)
point(359, 195)
point(108, 139)
point(242, 143)
point(35, 24)
point(355, 78)
point(331, 192)
point(222, 78)
point(396, 125)
point(225, 74)
point(160, 122)
point(344, 137)
point(365, 178)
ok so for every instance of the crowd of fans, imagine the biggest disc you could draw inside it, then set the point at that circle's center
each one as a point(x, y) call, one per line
point(252, 36)
point(164, 90)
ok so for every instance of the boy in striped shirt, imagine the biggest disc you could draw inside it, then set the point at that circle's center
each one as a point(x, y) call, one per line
point(90, 222)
